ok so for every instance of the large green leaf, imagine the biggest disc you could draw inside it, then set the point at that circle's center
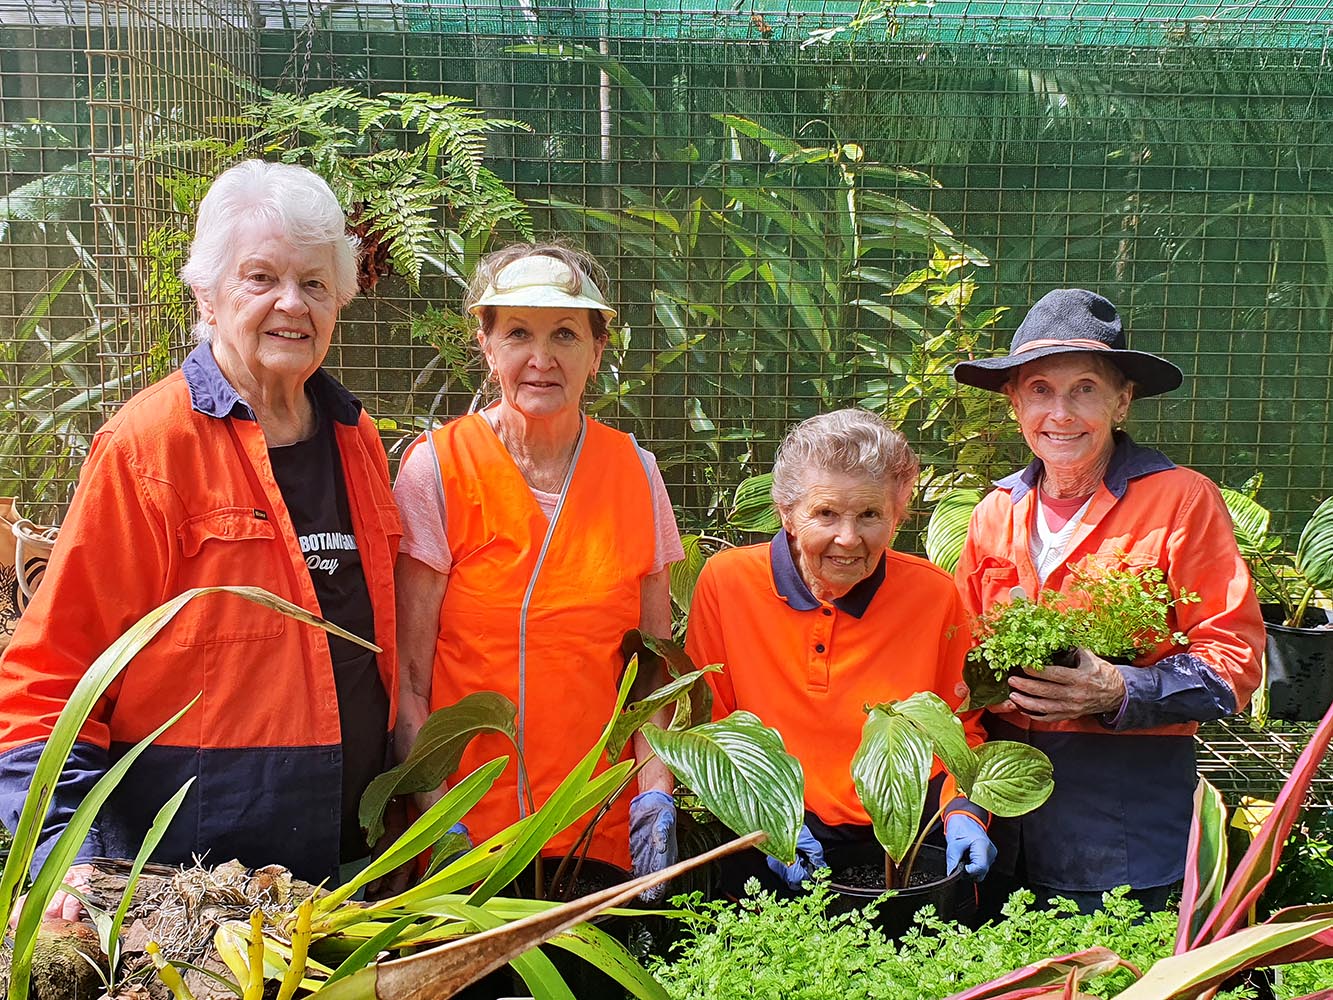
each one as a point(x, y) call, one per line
point(753, 509)
point(437, 752)
point(1314, 552)
point(1013, 778)
point(891, 771)
point(936, 721)
point(742, 773)
point(947, 529)
point(1249, 519)
point(601, 950)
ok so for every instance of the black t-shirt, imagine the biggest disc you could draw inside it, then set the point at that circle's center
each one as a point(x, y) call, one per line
point(310, 475)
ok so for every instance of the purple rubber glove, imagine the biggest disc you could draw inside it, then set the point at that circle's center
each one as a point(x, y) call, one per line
point(966, 838)
point(652, 838)
point(809, 859)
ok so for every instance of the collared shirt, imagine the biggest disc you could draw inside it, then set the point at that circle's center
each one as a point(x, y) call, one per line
point(212, 395)
point(809, 668)
point(1124, 782)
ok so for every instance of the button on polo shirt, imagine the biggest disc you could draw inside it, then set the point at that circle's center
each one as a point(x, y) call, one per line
point(808, 667)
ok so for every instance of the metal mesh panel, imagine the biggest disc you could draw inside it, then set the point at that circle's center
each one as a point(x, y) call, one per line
point(1173, 156)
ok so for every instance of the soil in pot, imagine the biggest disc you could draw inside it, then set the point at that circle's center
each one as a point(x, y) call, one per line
point(858, 879)
point(1299, 665)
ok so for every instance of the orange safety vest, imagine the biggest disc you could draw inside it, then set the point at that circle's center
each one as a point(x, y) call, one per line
point(540, 619)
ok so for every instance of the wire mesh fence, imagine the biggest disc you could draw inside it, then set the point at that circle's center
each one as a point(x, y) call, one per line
point(802, 205)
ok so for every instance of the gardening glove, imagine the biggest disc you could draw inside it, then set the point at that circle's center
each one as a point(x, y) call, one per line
point(652, 838)
point(965, 837)
point(809, 859)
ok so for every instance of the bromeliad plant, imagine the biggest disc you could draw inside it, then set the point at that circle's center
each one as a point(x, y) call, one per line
point(1118, 613)
point(892, 766)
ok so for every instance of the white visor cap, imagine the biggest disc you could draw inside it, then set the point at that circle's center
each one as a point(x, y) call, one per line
point(541, 282)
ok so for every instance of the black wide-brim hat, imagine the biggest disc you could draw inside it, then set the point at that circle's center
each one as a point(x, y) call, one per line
point(1067, 320)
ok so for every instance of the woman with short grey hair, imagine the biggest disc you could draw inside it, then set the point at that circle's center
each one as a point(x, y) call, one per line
point(251, 465)
point(827, 618)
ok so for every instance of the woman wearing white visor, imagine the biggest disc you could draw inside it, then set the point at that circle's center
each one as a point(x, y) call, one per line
point(534, 537)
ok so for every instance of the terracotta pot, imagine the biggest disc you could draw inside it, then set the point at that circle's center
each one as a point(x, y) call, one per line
point(954, 896)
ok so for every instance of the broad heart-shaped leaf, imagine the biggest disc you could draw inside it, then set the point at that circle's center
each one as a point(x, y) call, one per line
point(436, 753)
point(753, 508)
point(1012, 779)
point(742, 774)
point(936, 721)
point(947, 529)
point(891, 771)
point(1205, 863)
point(1084, 965)
point(983, 688)
point(1188, 974)
point(1314, 552)
point(1249, 519)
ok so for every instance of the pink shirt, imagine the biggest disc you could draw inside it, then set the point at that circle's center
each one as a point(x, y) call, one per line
point(421, 505)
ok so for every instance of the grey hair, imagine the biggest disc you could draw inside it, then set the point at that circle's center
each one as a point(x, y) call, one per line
point(578, 261)
point(292, 196)
point(853, 442)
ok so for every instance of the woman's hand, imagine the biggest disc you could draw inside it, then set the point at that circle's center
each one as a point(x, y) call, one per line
point(1055, 693)
point(63, 906)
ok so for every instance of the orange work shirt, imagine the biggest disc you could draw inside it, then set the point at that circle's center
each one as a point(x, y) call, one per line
point(809, 668)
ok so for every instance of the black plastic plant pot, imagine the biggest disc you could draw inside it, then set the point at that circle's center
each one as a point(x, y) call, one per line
point(953, 896)
point(1299, 662)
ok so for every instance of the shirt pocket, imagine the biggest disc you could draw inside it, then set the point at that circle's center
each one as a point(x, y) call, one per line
point(230, 546)
point(997, 580)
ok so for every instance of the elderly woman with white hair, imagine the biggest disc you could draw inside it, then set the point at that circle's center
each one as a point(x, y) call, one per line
point(249, 466)
point(826, 619)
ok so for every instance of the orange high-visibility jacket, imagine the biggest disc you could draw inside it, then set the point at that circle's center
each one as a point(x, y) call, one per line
point(178, 492)
point(1124, 781)
point(808, 668)
point(541, 620)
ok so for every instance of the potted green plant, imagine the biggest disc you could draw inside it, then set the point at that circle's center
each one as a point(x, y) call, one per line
point(1118, 613)
point(892, 770)
point(1294, 590)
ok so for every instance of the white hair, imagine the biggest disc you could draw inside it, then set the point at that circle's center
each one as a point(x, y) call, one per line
point(299, 201)
point(853, 442)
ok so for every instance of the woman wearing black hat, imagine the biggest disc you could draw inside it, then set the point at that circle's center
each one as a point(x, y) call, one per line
point(1120, 737)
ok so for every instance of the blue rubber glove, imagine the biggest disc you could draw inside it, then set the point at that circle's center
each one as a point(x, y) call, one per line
point(652, 838)
point(809, 859)
point(965, 837)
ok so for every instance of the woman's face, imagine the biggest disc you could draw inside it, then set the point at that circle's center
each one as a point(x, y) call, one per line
point(840, 528)
point(542, 357)
point(1067, 406)
point(273, 308)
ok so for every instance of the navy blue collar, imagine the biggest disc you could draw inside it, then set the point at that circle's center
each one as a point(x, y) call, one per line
point(212, 395)
point(1128, 461)
point(792, 589)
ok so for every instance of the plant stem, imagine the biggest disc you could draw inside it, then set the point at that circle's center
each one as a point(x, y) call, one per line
point(916, 846)
point(1298, 615)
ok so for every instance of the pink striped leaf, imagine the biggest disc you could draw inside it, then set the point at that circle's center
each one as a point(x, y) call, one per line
point(1036, 980)
point(1205, 865)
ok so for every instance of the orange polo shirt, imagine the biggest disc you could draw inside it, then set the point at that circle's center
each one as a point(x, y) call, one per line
point(809, 668)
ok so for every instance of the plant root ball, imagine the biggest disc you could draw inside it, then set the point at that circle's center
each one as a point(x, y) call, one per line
point(63, 962)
